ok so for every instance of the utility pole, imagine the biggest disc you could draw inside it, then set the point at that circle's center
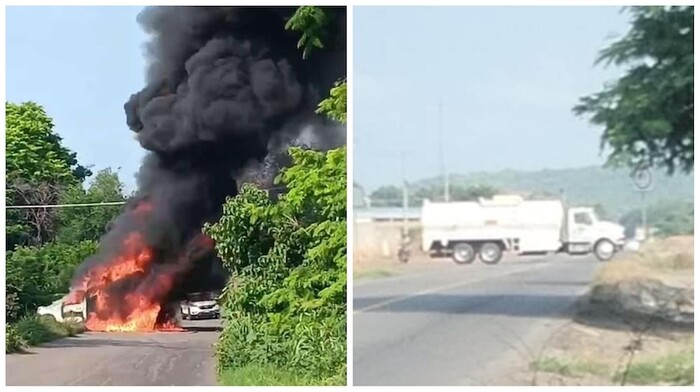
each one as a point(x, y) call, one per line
point(405, 192)
point(404, 240)
point(445, 177)
point(644, 215)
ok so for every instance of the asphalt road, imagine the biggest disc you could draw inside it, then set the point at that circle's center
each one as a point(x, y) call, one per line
point(126, 359)
point(461, 325)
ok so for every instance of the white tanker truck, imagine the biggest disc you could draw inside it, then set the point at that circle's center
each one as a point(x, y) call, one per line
point(508, 223)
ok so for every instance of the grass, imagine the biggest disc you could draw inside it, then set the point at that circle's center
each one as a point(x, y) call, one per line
point(256, 375)
point(657, 257)
point(675, 369)
point(34, 330)
point(570, 368)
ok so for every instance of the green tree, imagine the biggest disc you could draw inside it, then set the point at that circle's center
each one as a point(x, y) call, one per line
point(667, 218)
point(90, 223)
point(387, 195)
point(37, 167)
point(285, 305)
point(647, 114)
point(311, 21)
point(472, 192)
point(34, 151)
point(458, 192)
point(38, 275)
point(335, 106)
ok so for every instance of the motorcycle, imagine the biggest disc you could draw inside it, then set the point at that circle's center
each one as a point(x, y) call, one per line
point(404, 252)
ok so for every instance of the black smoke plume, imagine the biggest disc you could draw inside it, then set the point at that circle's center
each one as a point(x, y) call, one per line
point(227, 91)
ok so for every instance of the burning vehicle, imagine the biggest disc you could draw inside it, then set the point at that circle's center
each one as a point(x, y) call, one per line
point(227, 92)
point(62, 312)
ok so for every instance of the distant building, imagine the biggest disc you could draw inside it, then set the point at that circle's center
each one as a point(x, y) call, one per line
point(377, 231)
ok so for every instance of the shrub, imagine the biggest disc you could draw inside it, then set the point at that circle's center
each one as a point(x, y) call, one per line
point(33, 330)
point(13, 340)
point(286, 300)
point(39, 275)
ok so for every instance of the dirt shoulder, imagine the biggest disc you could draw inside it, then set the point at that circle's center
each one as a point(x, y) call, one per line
point(373, 265)
point(634, 327)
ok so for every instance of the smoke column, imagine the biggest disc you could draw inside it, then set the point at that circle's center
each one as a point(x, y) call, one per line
point(227, 91)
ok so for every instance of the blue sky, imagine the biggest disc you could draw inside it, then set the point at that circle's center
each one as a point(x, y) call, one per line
point(508, 77)
point(81, 64)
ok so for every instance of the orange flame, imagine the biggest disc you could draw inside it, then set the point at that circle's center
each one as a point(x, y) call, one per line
point(139, 309)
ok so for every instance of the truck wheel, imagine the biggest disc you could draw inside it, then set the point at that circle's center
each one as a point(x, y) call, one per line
point(604, 250)
point(463, 253)
point(490, 253)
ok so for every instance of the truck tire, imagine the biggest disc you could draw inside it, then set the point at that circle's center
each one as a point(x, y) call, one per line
point(463, 253)
point(490, 253)
point(604, 250)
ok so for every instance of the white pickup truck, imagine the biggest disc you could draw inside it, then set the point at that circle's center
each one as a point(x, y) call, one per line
point(508, 223)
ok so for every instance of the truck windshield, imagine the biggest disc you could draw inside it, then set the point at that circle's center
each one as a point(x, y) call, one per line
point(583, 218)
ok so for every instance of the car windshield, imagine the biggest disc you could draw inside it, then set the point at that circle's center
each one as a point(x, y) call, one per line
point(196, 297)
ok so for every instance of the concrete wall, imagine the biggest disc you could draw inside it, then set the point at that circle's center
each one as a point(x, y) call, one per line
point(383, 238)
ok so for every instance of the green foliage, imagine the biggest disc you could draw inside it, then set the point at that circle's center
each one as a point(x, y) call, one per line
point(80, 224)
point(676, 368)
point(39, 275)
point(667, 218)
point(285, 305)
point(335, 106)
point(34, 151)
point(648, 112)
point(37, 166)
point(570, 368)
point(34, 330)
point(270, 376)
point(13, 340)
point(311, 21)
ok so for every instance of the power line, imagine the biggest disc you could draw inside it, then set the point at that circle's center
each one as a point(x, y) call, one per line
point(107, 203)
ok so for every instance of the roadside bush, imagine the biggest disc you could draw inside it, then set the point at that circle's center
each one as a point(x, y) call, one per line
point(33, 330)
point(13, 340)
point(286, 300)
point(37, 276)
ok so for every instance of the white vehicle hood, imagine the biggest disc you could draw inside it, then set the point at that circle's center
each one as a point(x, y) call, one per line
point(613, 230)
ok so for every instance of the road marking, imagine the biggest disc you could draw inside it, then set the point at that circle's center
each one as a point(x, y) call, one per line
point(442, 288)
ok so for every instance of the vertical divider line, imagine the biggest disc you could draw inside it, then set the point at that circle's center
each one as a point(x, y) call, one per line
point(350, 192)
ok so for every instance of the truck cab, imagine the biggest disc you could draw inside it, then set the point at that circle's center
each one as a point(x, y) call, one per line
point(585, 233)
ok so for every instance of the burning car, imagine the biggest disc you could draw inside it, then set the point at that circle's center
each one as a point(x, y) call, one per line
point(200, 305)
point(63, 312)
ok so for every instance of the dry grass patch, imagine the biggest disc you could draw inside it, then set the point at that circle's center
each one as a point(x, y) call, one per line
point(657, 259)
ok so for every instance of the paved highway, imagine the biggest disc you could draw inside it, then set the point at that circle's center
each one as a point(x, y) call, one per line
point(462, 325)
point(127, 359)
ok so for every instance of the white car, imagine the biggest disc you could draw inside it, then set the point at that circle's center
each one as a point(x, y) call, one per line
point(200, 306)
point(61, 312)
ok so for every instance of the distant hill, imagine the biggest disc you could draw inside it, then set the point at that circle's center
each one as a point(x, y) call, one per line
point(613, 189)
